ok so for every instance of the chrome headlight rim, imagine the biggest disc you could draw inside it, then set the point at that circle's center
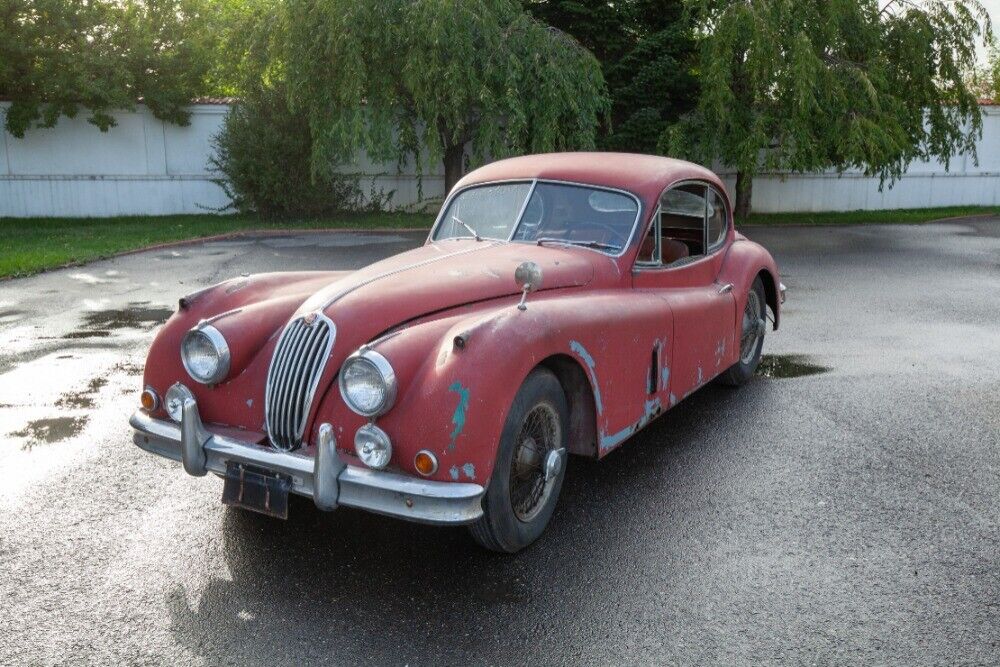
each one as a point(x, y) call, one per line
point(384, 369)
point(218, 342)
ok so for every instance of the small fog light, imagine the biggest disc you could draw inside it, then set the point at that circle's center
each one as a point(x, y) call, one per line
point(149, 399)
point(425, 463)
point(174, 400)
point(373, 446)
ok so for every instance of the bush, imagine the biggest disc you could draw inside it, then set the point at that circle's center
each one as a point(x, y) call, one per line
point(263, 155)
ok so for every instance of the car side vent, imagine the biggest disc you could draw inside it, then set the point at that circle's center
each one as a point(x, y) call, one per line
point(297, 364)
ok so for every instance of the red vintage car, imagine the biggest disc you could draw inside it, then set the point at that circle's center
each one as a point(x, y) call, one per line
point(560, 304)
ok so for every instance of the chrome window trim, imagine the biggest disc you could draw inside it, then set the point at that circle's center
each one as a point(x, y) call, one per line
point(656, 228)
point(710, 251)
point(726, 217)
point(630, 239)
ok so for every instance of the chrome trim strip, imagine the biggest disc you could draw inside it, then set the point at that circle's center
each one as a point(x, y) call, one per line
point(389, 493)
point(535, 182)
point(416, 265)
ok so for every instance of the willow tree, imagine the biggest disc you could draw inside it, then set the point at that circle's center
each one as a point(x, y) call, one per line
point(804, 85)
point(437, 79)
point(57, 57)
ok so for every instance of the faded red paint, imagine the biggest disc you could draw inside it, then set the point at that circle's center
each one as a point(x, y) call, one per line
point(592, 309)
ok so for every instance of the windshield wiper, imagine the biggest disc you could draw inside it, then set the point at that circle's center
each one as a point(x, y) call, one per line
point(472, 231)
point(585, 244)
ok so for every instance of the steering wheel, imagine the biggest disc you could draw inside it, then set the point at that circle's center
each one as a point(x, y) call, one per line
point(612, 235)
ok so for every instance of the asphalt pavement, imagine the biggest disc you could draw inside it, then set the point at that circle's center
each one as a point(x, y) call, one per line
point(847, 515)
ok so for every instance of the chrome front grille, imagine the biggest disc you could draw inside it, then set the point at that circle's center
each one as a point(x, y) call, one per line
point(296, 366)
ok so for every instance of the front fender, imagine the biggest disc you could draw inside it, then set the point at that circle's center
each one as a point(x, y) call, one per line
point(453, 398)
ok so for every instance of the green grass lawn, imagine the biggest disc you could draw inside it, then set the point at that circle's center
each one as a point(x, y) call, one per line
point(900, 216)
point(29, 245)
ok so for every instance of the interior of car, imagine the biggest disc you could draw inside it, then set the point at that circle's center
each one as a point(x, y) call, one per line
point(685, 221)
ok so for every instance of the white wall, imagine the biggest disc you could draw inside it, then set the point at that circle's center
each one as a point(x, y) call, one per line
point(140, 166)
point(144, 166)
point(925, 184)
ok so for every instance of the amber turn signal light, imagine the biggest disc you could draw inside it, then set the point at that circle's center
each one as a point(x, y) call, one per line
point(425, 463)
point(149, 400)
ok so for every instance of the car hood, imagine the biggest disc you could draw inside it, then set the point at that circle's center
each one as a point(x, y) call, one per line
point(437, 277)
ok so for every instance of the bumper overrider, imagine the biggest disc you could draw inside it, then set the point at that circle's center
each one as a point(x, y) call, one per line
point(325, 478)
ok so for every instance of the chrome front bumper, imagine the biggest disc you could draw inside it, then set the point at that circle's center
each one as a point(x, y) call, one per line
point(325, 478)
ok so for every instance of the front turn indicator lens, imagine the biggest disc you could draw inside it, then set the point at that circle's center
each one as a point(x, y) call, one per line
point(425, 463)
point(149, 399)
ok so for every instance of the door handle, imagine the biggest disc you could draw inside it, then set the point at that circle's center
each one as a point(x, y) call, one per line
point(726, 289)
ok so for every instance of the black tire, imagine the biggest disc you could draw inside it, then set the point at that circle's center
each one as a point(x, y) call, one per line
point(502, 528)
point(745, 367)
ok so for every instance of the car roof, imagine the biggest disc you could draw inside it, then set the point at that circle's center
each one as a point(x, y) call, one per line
point(643, 175)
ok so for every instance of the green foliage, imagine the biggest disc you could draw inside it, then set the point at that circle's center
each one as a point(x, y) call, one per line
point(58, 56)
point(813, 84)
point(263, 157)
point(647, 52)
point(985, 81)
point(249, 45)
point(389, 76)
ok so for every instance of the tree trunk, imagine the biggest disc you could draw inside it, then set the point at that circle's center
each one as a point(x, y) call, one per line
point(454, 166)
point(744, 189)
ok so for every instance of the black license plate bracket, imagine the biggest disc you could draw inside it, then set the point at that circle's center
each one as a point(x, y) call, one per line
point(256, 489)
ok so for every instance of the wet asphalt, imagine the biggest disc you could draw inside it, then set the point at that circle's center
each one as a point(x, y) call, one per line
point(845, 516)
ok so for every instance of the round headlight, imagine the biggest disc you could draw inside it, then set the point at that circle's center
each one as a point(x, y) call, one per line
point(173, 402)
point(368, 383)
point(205, 354)
point(373, 446)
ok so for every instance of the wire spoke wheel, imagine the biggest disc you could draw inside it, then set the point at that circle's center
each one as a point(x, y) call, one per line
point(753, 327)
point(540, 434)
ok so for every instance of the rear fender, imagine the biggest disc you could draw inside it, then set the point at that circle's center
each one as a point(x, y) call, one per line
point(744, 262)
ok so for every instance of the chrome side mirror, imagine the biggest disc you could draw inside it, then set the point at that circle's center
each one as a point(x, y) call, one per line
point(528, 277)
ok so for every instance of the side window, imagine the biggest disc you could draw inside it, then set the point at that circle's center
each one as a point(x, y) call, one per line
point(716, 219)
point(649, 251)
point(683, 223)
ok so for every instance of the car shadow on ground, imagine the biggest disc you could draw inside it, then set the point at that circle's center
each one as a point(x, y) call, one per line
point(363, 576)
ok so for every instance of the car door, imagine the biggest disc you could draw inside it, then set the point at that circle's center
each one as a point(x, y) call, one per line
point(680, 260)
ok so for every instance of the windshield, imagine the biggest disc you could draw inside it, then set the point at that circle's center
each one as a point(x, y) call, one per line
point(542, 213)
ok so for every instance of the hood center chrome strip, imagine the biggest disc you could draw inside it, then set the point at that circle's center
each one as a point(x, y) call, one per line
point(340, 295)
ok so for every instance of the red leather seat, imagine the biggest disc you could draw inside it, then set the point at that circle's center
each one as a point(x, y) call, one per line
point(674, 250)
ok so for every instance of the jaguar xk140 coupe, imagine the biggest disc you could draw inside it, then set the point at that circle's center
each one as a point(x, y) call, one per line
point(560, 304)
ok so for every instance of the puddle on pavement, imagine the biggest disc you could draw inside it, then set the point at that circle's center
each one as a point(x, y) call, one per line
point(48, 431)
point(134, 315)
point(128, 368)
point(11, 315)
point(97, 333)
point(83, 399)
point(100, 323)
point(780, 366)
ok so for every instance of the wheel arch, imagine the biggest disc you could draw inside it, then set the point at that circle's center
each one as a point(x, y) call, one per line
point(770, 293)
point(580, 397)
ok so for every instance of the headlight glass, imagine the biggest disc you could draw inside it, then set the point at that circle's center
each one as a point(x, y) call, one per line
point(368, 383)
point(373, 446)
point(173, 402)
point(205, 354)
